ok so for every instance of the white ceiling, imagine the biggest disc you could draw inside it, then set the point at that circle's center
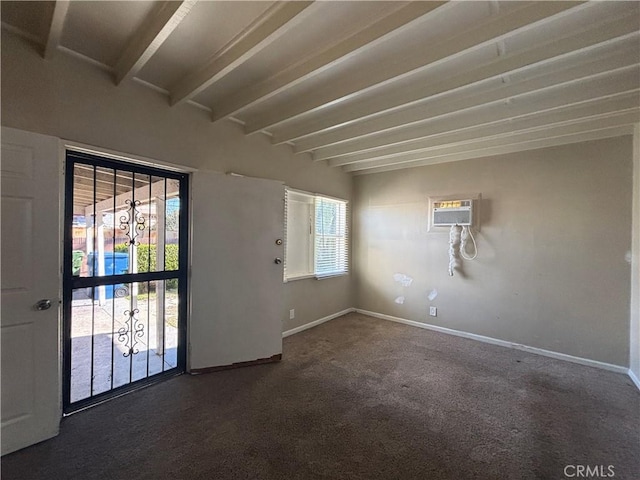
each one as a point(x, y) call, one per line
point(369, 86)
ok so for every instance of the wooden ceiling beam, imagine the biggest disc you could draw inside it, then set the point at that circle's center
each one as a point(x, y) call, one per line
point(555, 130)
point(494, 90)
point(163, 20)
point(565, 116)
point(367, 38)
point(490, 31)
point(520, 147)
point(146, 194)
point(276, 21)
point(56, 27)
point(123, 177)
point(82, 196)
point(558, 98)
point(88, 188)
point(108, 180)
point(588, 42)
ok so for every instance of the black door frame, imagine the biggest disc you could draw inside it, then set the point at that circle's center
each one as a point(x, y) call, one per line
point(71, 282)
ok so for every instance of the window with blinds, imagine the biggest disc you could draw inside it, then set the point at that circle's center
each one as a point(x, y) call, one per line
point(316, 236)
point(331, 237)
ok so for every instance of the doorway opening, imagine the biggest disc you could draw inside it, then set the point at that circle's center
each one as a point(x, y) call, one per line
point(125, 277)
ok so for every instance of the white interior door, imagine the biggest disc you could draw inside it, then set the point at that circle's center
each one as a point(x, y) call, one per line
point(31, 401)
point(236, 285)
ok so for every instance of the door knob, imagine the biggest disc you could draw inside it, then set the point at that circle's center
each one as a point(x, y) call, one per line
point(277, 261)
point(44, 304)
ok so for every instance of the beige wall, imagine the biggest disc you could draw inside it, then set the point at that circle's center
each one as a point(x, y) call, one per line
point(552, 270)
point(71, 99)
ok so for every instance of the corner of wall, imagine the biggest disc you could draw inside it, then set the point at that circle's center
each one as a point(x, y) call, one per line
point(355, 250)
point(634, 327)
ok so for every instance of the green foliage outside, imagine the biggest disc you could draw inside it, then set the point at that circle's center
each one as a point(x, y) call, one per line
point(76, 261)
point(171, 260)
point(122, 248)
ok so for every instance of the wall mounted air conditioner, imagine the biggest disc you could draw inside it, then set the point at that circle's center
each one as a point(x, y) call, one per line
point(445, 213)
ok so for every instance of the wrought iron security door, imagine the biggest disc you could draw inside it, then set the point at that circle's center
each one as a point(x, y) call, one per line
point(125, 264)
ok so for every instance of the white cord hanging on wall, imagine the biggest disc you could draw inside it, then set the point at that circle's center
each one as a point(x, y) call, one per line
point(458, 238)
point(464, 236)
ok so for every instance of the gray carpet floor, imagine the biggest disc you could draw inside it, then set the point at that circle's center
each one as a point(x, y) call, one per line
point(357, 398)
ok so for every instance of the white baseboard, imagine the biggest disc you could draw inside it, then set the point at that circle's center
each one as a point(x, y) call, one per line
point(315, 323)
point(504, 343)
point(480, 338)
point(634, 379)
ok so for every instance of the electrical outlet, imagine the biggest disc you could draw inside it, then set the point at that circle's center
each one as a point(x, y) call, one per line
point(292, 314)
point(433, 311)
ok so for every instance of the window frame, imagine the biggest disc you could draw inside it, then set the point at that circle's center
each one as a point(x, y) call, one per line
point(312, 251)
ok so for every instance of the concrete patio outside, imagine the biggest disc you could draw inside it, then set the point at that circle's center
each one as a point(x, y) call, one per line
point(108, 353)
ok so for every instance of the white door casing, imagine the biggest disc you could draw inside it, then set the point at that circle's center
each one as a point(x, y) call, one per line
point(236, 286)
point(30, 339)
